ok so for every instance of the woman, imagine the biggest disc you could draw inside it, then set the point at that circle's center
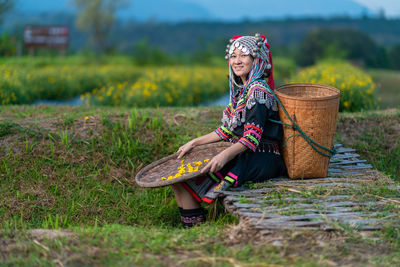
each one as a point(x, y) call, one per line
point(254, 156)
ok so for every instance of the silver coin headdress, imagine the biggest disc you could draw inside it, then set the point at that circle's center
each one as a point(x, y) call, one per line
point(256, 46)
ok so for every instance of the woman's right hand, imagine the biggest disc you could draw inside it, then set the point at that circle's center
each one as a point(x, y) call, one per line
point(186, 148)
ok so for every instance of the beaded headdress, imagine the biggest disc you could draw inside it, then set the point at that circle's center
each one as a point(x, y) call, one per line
point(258, 47)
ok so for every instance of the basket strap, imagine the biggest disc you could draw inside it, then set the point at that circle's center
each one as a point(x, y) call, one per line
point(316, 146)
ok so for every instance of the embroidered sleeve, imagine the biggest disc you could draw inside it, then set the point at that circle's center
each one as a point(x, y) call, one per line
point(259, 105)
point(224, 133)
point(251, 136)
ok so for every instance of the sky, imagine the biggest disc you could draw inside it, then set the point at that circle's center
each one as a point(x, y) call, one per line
point(391, 7)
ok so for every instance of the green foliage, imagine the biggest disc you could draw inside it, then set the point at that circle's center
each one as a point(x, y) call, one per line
point(284, 67)
point(202, 57)
point(78, 60)
point(146, 55)
point(96, 17)
point(387, 82)
point(357, 90)
point(394, 55)
point(341, 44)
point(7, 45)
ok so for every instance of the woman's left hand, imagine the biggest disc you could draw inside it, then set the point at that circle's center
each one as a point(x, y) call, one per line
point(216, 163)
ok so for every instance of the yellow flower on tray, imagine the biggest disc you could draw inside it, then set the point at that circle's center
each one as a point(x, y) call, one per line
point(191, 167)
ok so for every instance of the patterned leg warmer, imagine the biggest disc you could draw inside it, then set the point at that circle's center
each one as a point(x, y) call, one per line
point(192, 217)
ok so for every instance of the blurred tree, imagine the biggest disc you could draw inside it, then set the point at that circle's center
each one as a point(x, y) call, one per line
point(146, 54)
point(346, 44)
point(96, 17)
point(394, 55)
point(7, 45)
point(5, 6)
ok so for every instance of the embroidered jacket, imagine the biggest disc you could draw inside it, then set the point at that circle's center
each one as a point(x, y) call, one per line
point(247, 120)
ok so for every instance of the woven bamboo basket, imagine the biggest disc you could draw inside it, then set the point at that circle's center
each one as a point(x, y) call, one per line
point(163, 172)
point(314, 108)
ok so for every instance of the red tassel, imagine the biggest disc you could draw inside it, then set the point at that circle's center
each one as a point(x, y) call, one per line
point(271, 82)
point(236, 37)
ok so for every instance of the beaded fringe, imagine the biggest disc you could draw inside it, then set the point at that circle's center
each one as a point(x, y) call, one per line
point(269, 148)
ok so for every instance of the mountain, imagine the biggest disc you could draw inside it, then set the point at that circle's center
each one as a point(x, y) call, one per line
point(161, 10)
point(212, 10)
point(261, 9)
point(37, 6)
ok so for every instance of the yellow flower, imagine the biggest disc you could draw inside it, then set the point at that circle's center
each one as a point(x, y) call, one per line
point(168, 97)
point(346, 104)
point(146, 92)
point(86, 118)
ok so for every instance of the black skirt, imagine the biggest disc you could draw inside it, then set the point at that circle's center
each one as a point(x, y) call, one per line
point(263, 164)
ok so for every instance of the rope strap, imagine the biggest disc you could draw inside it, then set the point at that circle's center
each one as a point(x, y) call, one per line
point(316, 146)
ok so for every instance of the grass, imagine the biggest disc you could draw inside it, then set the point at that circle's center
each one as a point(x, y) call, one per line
point(145, 246)
point(375, 135)
point(81, 172)
point(70, 171)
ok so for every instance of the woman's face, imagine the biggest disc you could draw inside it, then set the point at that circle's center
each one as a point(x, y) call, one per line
point(241, 64)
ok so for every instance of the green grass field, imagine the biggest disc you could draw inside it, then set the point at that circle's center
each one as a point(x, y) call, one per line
point(70, 172)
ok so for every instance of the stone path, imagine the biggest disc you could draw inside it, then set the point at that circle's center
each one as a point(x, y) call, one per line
point(340, 200)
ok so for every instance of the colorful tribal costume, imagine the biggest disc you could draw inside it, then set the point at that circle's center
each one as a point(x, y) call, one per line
point(246, 120)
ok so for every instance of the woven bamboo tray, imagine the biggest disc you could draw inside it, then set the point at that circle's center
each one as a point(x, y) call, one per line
point(159, 173)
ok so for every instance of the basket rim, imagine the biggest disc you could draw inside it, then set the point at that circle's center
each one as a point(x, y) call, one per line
point(307, 85)
point(183, 178)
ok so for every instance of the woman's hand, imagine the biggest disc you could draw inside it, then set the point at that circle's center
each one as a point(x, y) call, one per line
point(186, 148)
point(205, 139)
point(216, 163)
point(219, 161)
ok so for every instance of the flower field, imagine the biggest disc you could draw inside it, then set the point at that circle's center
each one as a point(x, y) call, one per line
point(124, 84)
point(164, 86)
point(357, 90)
point(112, 84)
point(24, 85)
